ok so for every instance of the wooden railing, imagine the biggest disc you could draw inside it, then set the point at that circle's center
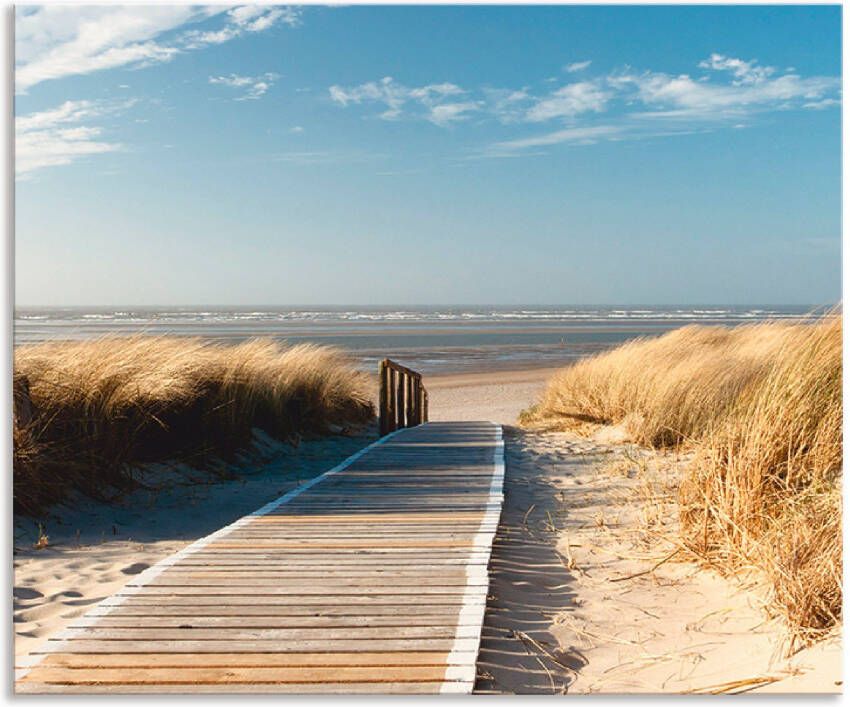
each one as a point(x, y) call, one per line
point(403, 399)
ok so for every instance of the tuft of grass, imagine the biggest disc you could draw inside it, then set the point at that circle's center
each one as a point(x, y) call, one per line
point(764, 488)
point(93, 408)
point(760, 408)
point(664, 390)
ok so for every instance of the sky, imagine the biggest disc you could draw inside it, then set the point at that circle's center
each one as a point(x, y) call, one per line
point(241, 155)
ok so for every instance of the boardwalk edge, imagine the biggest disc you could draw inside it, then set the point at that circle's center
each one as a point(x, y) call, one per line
point(475, 596)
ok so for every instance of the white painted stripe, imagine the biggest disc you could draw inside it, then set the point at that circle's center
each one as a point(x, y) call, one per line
point(475, 596)
point(58, 642)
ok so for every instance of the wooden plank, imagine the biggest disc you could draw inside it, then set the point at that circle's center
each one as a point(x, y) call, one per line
point(360, 688)
point(244, 660)
point(321, 645)
point(277, 635)
point(387, 612)
point(455, 599)
point(229, 675)
point(443, 620)
point(306, 590)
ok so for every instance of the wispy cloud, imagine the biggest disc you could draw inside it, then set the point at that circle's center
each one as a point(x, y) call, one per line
point(753, 90)
point(323, 157)
point(619, 105)
point(254, 87)
point(569, 101)
point(576, 66)
point(745, 72)
point(435, 102)
point(243, 20)
point(54, 41)
point(58, 137)
point(578, 135)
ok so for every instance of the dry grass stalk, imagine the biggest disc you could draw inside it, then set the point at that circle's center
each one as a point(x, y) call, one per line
point(98, 406)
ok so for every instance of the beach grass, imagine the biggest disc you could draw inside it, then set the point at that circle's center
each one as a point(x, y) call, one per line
point(760, 409)
point(100, 406)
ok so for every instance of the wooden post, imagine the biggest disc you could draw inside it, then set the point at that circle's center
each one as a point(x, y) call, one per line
point(391, 414)
point(21, 400)
point(408, 394)
point(383, 398)
point(400, 400)
point(421, 402)
point(417, 400)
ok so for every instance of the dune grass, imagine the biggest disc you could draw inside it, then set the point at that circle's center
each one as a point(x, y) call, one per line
point(99, 406)
point(760, 408)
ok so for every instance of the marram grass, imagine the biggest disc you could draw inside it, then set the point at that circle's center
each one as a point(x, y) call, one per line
point(760, 407)
point(102, 405)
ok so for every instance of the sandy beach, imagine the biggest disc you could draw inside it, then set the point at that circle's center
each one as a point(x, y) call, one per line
point(499, 396)
point(586, 593)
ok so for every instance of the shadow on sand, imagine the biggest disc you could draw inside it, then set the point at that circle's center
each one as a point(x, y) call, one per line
point(529, 584)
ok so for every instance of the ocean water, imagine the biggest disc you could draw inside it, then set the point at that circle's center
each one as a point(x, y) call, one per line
point(430, 339)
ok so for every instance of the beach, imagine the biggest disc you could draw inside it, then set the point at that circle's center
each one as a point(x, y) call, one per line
point(498, 396)
point(602, 612)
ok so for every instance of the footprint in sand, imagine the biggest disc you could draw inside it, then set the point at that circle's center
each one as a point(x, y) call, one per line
point(68, 593)
point(26, 593)
point(83, 602)
point(135, 568)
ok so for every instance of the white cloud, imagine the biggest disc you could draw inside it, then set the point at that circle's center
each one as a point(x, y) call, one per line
point(569, 101)
point(579, 135)
point(296, 129)
point(631, 105)
point(54, 137)
point(446, 113)
point(666, 96)
point(246, 18)
point(256, 85)
point(435, 99)
point(744, 71)
point(576, 66)
point(653, 104)
point(54, 41)
point(821, 104)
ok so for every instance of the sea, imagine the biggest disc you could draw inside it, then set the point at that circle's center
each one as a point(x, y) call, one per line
point(431, 339)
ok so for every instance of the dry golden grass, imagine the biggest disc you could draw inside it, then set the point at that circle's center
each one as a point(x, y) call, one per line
point(760, 407)
point(101, 405)
point(664, 390)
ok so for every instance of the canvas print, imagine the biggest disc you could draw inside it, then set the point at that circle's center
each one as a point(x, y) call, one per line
point(413, 349)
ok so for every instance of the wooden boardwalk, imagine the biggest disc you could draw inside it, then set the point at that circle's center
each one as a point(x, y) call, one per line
point(369, 578)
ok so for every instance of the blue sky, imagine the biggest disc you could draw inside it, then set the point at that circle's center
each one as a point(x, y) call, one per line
point(367, 155)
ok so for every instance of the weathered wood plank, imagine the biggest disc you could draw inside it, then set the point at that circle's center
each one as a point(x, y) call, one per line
point(253, 675)
point(444, 620)
point(244, 660)
point(359, 688)
point(321, 645)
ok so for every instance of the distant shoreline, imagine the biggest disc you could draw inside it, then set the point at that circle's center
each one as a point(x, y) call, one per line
point(432, 340)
